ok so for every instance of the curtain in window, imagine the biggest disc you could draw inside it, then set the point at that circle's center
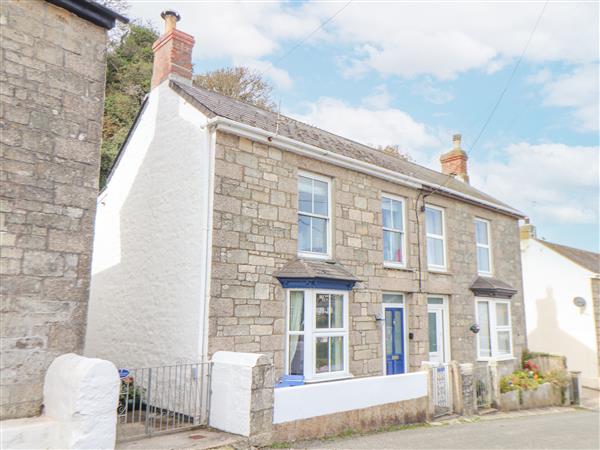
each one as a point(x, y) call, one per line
point(296, 323)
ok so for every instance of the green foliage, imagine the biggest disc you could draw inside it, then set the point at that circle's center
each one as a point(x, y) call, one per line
point(240, 83)
point(128, 75)
point(520, 380)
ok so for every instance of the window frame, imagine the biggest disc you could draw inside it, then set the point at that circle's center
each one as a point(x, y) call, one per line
point(311, 332)
point(434, 267)
point(494, 329)
point(328, 218)
point(488, 246)
point(395, 264)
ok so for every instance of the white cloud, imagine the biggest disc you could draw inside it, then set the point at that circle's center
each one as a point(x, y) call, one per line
point(371, 126)
point(403, 38)
point(433, 94)
point(578, 90)
point(379, 99)
point(550, 182)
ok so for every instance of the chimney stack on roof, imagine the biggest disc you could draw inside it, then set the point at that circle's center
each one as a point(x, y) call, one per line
point(172, 52)
point(527, 231)
point(455, 161)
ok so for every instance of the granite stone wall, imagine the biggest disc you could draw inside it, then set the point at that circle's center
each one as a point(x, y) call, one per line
point(255, 233)
point(52, 80)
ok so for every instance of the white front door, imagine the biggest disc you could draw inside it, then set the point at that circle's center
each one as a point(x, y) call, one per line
point(438, 328)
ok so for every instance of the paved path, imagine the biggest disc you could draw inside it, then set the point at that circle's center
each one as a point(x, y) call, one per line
point(574, 429)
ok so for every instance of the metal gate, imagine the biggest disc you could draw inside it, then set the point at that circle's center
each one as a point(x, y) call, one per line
point(162, 399)
point(483, 384)
point(441, 387)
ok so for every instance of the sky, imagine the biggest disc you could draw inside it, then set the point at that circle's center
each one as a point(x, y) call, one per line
point(518, 80)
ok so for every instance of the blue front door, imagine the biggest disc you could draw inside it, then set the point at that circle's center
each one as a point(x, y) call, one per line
point(394, 341)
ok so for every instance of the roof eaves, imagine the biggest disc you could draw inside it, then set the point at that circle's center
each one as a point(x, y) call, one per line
point(92, 12)
point(554, 247)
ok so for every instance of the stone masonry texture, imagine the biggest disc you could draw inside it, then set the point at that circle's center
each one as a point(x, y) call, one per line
point(52, 92)
point(255, 233)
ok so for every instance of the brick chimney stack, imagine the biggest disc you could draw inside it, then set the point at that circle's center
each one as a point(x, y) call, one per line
point(455, 161)
point(172, 52)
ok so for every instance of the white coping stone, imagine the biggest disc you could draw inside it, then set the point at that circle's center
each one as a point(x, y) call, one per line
point(80, 400)
point(231, 391)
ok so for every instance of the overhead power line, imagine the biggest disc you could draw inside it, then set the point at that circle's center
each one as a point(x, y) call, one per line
point(512, 75)
point(306, 38)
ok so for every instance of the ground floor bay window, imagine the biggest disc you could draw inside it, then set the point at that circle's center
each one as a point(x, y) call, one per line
point(494, 339)
point(317, 334)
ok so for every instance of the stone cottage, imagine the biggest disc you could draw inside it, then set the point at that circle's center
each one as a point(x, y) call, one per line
point(52, 83)
point(224, 226)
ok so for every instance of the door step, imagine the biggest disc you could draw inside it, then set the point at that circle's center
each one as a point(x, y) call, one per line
point(486, 411)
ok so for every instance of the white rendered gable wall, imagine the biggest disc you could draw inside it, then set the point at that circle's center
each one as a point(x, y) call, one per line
point(149, 261)
point(554, 324)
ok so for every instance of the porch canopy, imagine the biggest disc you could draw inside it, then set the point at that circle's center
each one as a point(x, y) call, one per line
point(310, 274)
point(492, 287)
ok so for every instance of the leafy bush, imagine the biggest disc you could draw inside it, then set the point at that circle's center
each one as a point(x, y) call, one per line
point(520, 380)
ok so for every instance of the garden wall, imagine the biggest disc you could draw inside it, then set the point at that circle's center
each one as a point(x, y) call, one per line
point(545, 395)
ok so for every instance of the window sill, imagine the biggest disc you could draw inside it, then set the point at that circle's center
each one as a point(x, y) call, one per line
point(338, 377)
point(496, 358)
point(439, 271)
point(485, 274)
point(314, 256)
point(397, 266)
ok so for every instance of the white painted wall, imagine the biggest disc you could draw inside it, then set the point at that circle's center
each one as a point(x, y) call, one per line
point(148, 290)
point(318, 399)
point(554, 323)
point(80, 401)
point(231, 391)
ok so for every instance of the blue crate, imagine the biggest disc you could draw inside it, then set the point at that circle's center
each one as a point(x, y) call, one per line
point(290, 380)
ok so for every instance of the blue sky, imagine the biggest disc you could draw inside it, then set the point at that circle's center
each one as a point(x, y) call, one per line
point(414, 73)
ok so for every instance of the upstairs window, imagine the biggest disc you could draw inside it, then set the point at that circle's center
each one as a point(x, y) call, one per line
point(314, 216)
point(436, 245)
point(393, 230)
point(482, 240)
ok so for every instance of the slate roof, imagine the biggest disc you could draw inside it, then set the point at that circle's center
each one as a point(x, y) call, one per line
point(214, 104)
point(587, 260)
point(492, 287)
point(302, 268)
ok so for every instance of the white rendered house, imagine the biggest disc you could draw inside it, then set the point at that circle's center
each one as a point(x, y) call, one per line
point(562, 303)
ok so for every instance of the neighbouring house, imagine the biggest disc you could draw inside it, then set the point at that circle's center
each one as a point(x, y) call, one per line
point(562, 302)
point(226, 227)
point(52, 83)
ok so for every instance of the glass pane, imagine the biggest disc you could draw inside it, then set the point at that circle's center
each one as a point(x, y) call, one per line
point(504, 342)
point(337, 353)
point(481, 232)
point(319, 235)
point(386, 208)
point(502, 314)
point(305, 194)
point(322, 311)
point(296, 362)
point(388, 332)
point(296, 319)
point(398, 327)
point(435, 301)
point(485, 345)
point(432, 332)
point(392, 246)
point(304, 233)
point(397, 215)
point(337, 311)
point(320, 198)
point(435, 252)
point(433, 221)
point(322, 355)
point(483, 259)
point(393, 298)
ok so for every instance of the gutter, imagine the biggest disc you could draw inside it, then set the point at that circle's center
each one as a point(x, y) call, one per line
point(300, 148)
point(92, 12)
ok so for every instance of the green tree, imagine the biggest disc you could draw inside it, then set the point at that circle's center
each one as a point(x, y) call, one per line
point(240, 83)
point(128, 75)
